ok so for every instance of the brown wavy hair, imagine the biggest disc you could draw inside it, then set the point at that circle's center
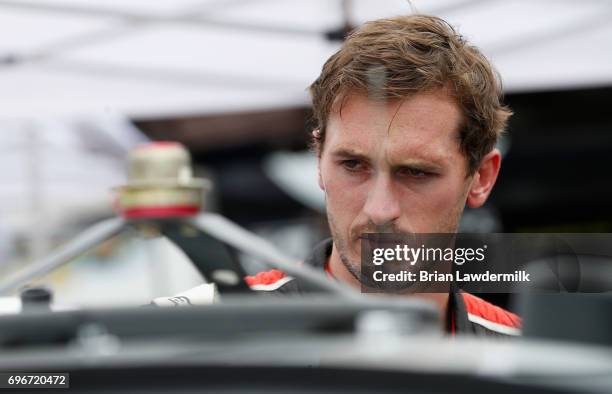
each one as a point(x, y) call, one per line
point(395, 58)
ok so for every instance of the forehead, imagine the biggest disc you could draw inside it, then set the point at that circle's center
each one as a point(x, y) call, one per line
point(426, 124)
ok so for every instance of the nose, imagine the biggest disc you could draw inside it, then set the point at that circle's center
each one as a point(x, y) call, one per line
point(382, 207)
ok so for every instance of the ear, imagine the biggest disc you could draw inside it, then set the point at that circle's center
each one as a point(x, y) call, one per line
point(484, 179)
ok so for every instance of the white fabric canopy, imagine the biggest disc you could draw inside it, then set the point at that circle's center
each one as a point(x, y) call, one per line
point(172, 57)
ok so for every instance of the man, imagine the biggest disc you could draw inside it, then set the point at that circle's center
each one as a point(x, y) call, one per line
point(407, 117)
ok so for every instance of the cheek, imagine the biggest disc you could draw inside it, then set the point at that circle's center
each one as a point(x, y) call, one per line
point(345, 195)
point(424, 207)
point(445, 196)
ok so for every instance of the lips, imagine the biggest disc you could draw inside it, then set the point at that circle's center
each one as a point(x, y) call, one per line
point(383, 238)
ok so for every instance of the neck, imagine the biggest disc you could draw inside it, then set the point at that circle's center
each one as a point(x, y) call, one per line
point(341, 273)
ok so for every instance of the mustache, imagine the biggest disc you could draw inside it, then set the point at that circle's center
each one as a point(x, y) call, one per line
point(386, 228)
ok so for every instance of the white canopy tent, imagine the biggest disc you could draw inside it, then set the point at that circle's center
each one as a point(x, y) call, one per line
point(167, 58)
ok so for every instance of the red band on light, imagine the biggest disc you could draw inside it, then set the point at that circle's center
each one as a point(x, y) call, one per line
point(160, 212)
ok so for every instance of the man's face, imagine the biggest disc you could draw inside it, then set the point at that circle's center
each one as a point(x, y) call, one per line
point(392, 167)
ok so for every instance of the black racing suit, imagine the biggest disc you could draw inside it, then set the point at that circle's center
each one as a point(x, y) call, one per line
point(466, 313)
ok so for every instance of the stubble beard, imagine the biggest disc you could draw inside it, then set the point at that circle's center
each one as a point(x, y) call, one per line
point(343, 250)
point(449, 224)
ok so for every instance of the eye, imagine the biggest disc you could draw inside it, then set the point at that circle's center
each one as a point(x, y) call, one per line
point(413, 173)
point(352, 165)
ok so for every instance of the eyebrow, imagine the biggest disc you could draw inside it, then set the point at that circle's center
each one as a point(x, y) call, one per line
point(420, 164)
point(348, 152)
